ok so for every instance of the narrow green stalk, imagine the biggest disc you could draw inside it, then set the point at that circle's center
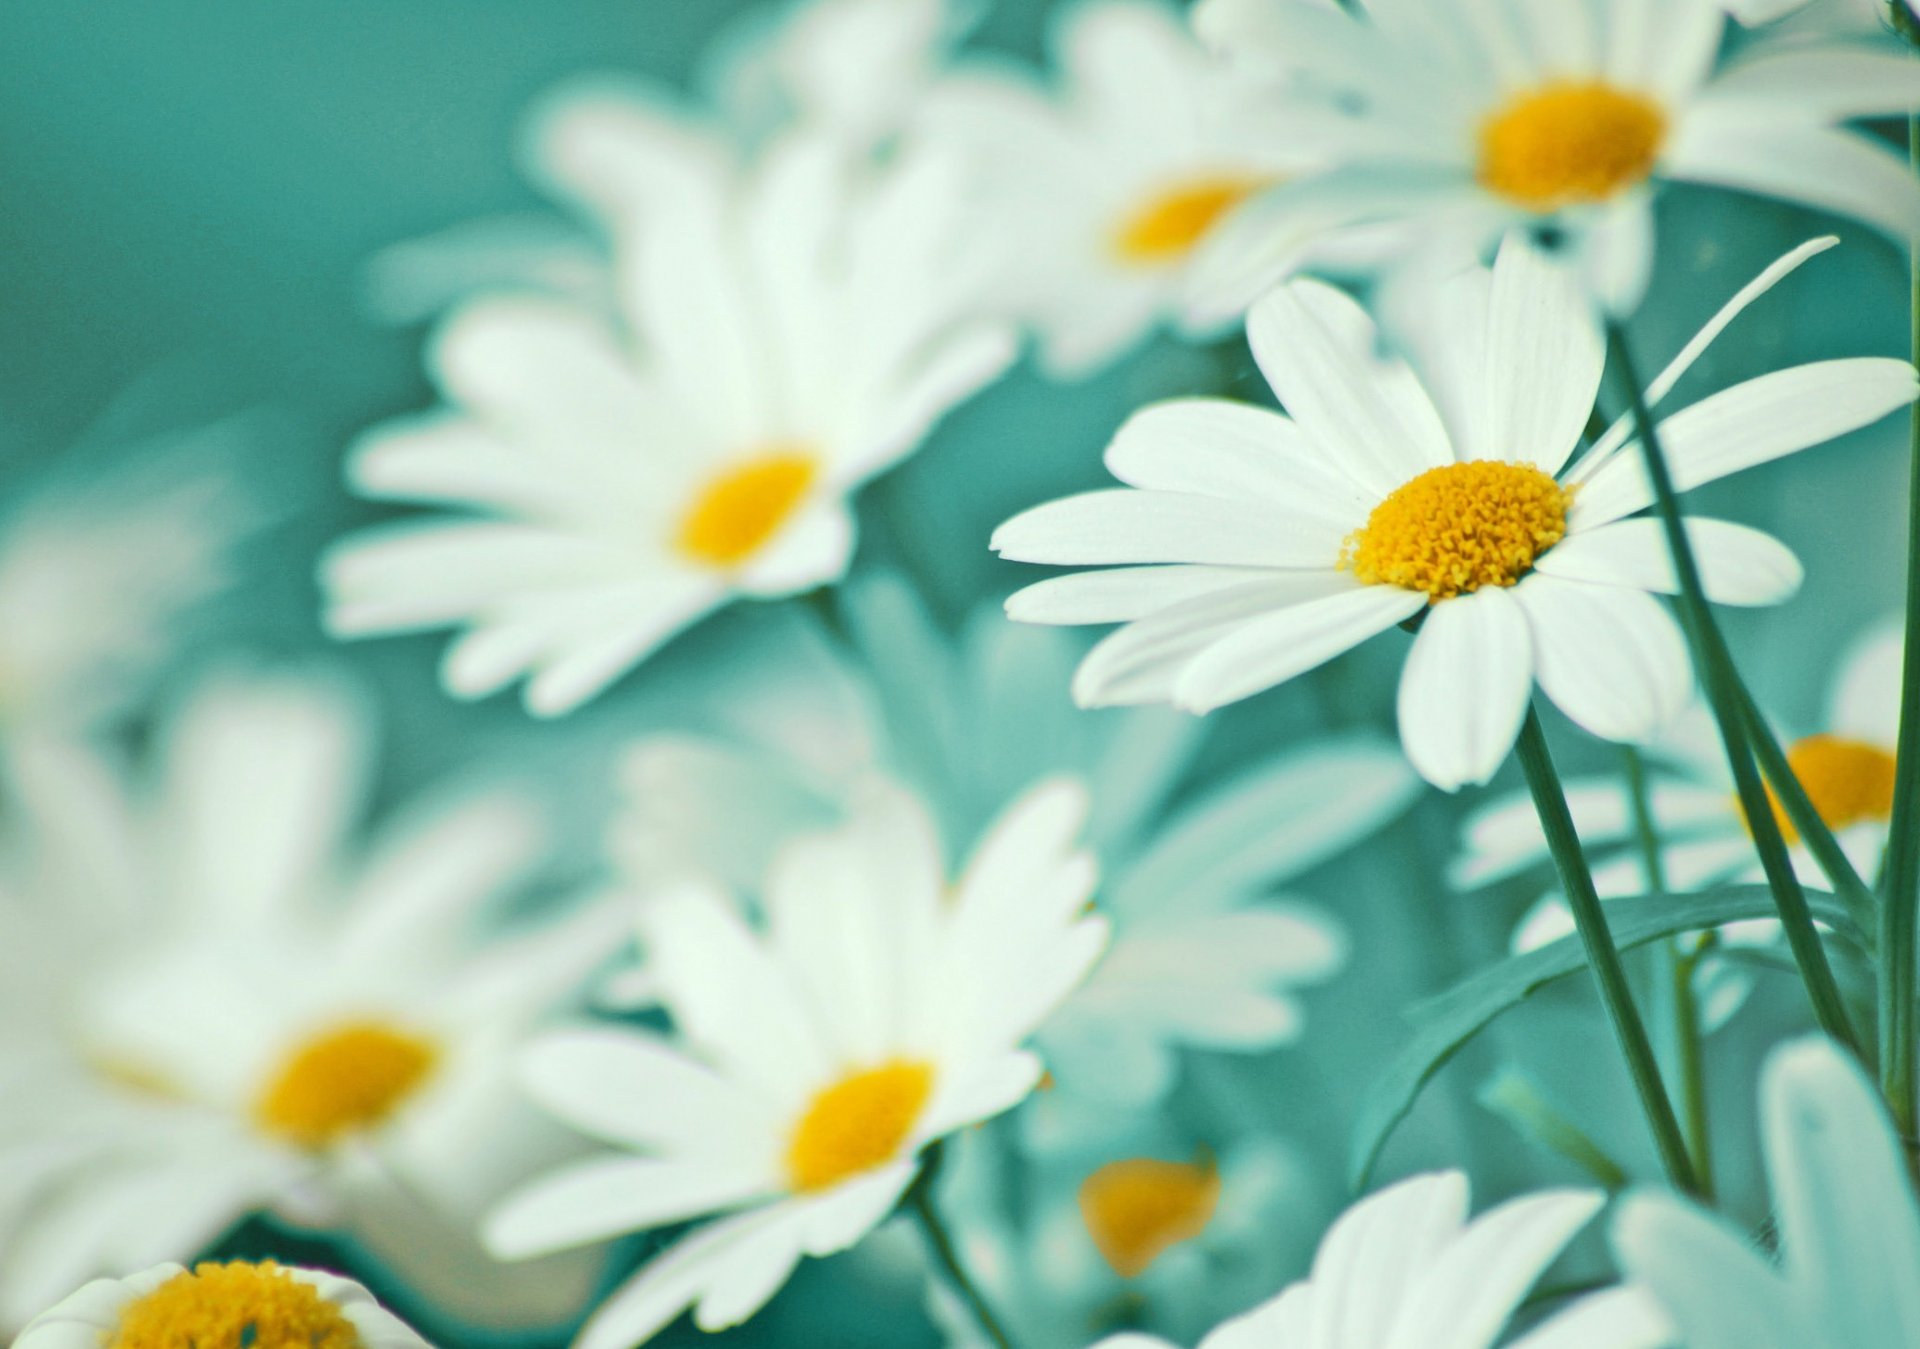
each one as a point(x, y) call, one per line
point(1900, 872)
point(920, 1200)
point(1679, 965)
point(1715, 666)
point(1556, 822)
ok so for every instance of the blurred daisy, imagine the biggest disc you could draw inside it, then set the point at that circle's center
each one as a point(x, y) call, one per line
point(1849, 1233)
point(212, 999)
point(1404, 1268)
point(786, 332)
point(878, 1011)
point(215, 1305)
point(1208, 952)
point(1471, 118)
point(1110, 184)
point(1275, 542)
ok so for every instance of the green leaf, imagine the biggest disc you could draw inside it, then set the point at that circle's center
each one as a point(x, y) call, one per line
point(1448, 1020)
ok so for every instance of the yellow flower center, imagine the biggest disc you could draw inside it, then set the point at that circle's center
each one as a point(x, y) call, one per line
point(1849, 782)
point(1136, 1209)
point(1458, 527)
point(735, 514)
point(1166, 226)
point(856, 1124)
point(1569, 142)
point(343, 1080)
point(232, 1307)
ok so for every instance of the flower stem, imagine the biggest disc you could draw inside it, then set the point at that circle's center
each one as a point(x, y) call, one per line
point(1717, 676)
point(920, 1200)
point(1556, 822)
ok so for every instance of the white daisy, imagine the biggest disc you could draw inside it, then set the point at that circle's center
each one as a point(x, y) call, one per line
point(1849, 1232)
point(216, 1305)
point(1404, 1269)
point(1275, 542)
point(786, 331)
point(213, 999)
point(878, 1011)
point(1109, 184)
point(1471, 118)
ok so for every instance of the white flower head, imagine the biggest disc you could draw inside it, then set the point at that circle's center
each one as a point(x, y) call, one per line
point(1270, 543)
point(1108, 185)
point(1849, 1228)
point(214, 999)
point(877, 1011)
point(785, 331)
point(225, 1304)
point(1468, 119)
point(1404, 1269)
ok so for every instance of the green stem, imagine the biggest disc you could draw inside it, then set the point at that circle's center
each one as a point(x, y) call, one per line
point(1717, 675)
point(920, 1200)
point(1900, 872)
point(1556, 822)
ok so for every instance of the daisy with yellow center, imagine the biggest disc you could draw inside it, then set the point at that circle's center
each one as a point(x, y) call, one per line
point(1451, 121)
point(216, 999)
point(879, 1010)
point(784, 330)
point(241, 1305)
point(1250, 546)
point(1112, 181)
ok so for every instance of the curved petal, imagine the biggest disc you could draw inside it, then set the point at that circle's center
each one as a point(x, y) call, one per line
point(1464, 690)
point(1275, 647)
point(1613, 660)
point(1738, 565)
point(1125, 525)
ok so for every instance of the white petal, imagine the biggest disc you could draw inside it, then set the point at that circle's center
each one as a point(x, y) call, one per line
point(1620, 1318)
point(1719, 1291)
point(1866, 699)
point(1120, 594)
point(630, 1087)
point(1368, 1262)
point(1613, 660)
point(1838, 171)
point(1122, 525)
point(1833, 84)
point(594, 1200)
point(1272, 649)
point(1464, 690)
point(1738, 565)
point(1543, 357)
point(747, 1246)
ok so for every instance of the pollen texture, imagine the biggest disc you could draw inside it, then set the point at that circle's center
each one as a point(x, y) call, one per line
point(342, 1080)
point(858, 1123)
point(236, 1306)
point(1166, 226)
point(1458, 527)
point(1849, 782)
point(737, 512)
point(1136, 1209)
point(1569, 143)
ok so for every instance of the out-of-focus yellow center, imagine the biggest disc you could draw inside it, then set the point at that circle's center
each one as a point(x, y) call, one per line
point(1568, 143)
point(858, 1123)
point(1136, 1209)
point(236, 1306)
point(342, 1080)
point(1458, 527)
point(1849, 782)
point(738, 511)
point(1165, 227)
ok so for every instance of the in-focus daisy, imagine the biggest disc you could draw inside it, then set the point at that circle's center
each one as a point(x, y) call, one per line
point(215, 1306)
point(1404, 1269)
point(1472, 118)
point(784, 332)
point(1108, 185)
point(1210, 951)
point(878, 1010)
point(1271, 543)
point(214, 998)
point(1849, 1232)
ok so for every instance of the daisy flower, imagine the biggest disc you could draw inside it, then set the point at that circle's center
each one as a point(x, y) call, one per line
point(1111, 182)
point(1404, 1268)
point(1471, 119)
point(1273, 542)
point(878, 1010)
point(1210, 948)
point(786, 331)
point(1849, 1232)
point(216, 1305)
point(213, 998)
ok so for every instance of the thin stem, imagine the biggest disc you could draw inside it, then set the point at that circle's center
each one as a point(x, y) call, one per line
point(1715, 666)
point(1688, 1066)
point(1556, 822)
point(1900, 872)
point(920, 1200)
